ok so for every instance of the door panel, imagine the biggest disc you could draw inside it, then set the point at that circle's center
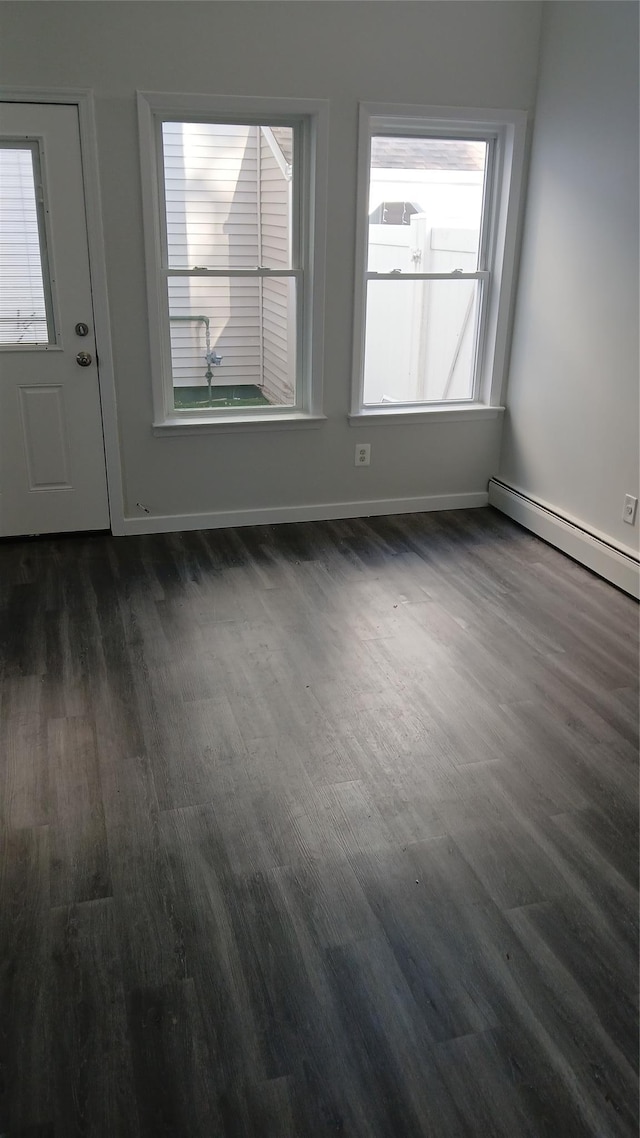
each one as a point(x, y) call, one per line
point(45, 438)
point(52, 465)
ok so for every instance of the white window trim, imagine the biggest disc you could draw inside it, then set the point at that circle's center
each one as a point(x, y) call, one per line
point(509, 130)
point(153, 107)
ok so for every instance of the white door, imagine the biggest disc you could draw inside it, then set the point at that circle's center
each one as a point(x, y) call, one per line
point(52, 464)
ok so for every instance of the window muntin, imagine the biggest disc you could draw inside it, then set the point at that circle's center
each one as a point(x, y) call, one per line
point(25, 297)
point(426, 277)
point(232, 264)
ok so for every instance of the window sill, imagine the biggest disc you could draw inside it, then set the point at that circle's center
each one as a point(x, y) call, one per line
point(234, 424)
point(441, 414)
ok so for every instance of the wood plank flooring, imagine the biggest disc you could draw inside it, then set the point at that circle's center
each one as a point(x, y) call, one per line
point(317, 829)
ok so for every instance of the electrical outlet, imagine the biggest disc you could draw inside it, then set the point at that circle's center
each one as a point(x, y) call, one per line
point(363, 454)
point(629, 509)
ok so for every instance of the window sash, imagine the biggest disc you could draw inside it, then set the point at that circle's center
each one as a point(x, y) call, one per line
point(300, 144)
point(259, 271)
point(483, 278)
point(274, 410)
point(488, 190)
point(298, 250)
point(481, 275)
point(400, 275)
point(400, 126)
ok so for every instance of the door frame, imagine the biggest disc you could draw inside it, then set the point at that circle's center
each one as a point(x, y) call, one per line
point(82, 98)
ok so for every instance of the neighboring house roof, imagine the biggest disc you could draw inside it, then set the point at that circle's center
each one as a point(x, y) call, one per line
point(284, 137)
point(394, 153)
point(426, 154)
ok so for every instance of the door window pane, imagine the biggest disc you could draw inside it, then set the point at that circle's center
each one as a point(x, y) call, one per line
point(23, 295)
point(421, 340)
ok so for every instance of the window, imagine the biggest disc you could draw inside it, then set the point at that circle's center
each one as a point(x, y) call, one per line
point(437, 210)
point(232, 226)
point(25, 301)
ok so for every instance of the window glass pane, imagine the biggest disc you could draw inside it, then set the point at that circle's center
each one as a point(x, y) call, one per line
point(23, 310)
point(425, 204)
point(232, 341)
point(420, 340)
point(228, 195)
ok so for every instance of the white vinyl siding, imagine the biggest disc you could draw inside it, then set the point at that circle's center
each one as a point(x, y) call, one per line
point(278, 341)
point(232, 306)
point(278, 302)
point(275, 182)
point(23, 316)
point(211, 195)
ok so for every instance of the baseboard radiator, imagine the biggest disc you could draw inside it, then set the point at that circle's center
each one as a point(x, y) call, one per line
point(620, 566)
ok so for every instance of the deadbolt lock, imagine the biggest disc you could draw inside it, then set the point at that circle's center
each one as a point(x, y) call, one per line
point(82, 329)
point(83, 358)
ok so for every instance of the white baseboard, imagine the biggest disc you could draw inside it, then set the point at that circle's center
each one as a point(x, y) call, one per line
point(171, 523)
point(615, 563)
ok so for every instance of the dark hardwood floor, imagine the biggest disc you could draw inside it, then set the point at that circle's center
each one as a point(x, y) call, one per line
point(317, 829)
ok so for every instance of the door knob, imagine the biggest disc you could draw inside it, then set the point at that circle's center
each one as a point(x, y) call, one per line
point(83, 358)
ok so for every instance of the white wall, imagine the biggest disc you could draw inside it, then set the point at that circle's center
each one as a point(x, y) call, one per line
point(452, 54)
point(571, 432)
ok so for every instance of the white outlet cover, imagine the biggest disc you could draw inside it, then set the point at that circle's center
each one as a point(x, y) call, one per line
point(629, 509)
